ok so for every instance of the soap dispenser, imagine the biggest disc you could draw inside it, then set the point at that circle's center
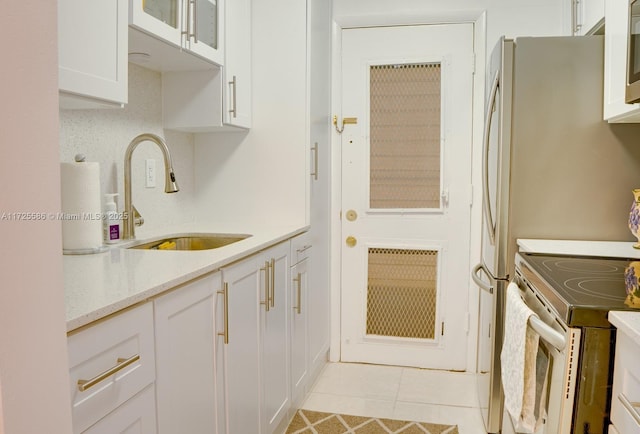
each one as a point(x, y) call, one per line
point(111, 219)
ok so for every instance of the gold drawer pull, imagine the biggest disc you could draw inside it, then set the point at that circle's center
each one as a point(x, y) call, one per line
point(122, 363)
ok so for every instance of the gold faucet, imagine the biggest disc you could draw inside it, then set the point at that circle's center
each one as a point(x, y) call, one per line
point(132, 217)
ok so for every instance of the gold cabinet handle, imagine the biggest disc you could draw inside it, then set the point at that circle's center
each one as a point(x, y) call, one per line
point(273, 282)
point(225, 295)
point(266, 302)
point(233, 111)
point(194, 34)
point(122, 363)
point(351, 241)
point(314, 149)
point(303, 248)
point(298, 281)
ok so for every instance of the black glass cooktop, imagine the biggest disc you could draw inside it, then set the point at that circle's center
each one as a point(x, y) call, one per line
point(583, 289)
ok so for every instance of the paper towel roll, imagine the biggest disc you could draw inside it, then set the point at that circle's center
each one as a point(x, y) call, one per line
point(81, 206)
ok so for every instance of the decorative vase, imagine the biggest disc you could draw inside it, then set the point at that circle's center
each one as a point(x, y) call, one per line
point(631, 274)
point(634, 216)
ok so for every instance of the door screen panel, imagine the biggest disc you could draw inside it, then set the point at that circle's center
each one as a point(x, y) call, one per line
point(405, 143)
point(402, 293)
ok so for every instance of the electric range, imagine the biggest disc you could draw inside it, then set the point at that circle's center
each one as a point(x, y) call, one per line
point(583, 289)
point(573, 295)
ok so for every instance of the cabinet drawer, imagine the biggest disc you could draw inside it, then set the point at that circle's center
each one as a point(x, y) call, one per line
point(300, 248)
point(625, 399)
point(136, 416)
point(116, 357)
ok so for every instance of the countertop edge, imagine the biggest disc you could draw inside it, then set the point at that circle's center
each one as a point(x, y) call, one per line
point(86, 318)
point(627, 322)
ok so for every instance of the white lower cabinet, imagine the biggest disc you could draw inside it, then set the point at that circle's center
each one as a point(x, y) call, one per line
point(185, 358)
point(238, 348)
point(109, 364)
point(299, 328)
point(223, 353)
point(136, 416)
point(275, 336)
point(625, 395)
point(253, 343)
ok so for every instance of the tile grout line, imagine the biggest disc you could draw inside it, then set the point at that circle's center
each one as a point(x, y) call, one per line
point(395, 400)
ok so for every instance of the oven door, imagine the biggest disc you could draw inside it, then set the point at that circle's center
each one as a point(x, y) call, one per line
point(558, 348)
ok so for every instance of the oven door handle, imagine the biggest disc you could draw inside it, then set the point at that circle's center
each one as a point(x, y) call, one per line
point(478, 280)
point(548, 334)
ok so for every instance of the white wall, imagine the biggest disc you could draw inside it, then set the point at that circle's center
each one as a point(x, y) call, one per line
point(103, 136)
point(33, 353)
point(260, 175)
point(504, 17)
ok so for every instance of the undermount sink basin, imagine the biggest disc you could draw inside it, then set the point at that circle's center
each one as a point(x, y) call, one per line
point(190, 242)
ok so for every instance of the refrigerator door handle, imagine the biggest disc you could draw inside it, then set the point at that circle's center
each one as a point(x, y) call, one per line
point(486, 200)
point(478, 280)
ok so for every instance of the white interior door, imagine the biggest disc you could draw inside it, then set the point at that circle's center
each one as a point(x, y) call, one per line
point(406, 191)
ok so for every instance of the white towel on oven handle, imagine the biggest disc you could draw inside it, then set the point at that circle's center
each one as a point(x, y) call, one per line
point(518, 362)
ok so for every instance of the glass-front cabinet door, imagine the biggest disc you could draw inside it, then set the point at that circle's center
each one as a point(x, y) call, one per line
point(160, 18)
point(204, 34)
point(193, 25)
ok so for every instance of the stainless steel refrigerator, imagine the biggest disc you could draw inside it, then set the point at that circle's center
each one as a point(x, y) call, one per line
point(552, 169)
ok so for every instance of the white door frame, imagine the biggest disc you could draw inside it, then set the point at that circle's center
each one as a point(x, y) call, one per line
point(478, 18)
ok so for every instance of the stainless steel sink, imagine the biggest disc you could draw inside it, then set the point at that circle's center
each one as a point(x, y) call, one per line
point(189, 242)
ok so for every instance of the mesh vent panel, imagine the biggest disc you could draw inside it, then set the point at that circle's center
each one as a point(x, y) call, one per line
point(401, 293)
point(405, 136)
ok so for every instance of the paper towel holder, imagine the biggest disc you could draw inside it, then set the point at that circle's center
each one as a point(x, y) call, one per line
point(132, 217)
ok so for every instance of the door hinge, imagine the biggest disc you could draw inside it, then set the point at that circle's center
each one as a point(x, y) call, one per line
point(473, 63)
point(468, 323)
point(470, 194)
point(442, 329)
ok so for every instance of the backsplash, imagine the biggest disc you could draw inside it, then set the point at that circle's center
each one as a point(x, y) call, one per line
point(103, 136)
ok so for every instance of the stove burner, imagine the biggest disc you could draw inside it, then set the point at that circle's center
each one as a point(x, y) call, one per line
point(581, 266)
point(583, 283)
point(604, 288)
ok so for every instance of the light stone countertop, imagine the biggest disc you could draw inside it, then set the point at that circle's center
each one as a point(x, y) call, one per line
point(627, 322)
point(98, 285)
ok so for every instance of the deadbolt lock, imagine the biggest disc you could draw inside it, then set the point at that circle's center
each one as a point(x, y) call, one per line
point(352, 215)
point(351, 241)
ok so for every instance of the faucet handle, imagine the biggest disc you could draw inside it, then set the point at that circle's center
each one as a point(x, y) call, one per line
point(138, 220)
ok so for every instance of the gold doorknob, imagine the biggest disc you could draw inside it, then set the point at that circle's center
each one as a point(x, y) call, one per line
point(351, 241)
point(352, 215)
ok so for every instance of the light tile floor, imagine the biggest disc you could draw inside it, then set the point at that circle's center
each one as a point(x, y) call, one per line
point(398, 393)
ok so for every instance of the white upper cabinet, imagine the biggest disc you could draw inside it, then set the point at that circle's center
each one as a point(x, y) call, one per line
point(615, 64)
point(219, 99)
point(92, 53)
point(237, 64)
point(587, 16)
point(170, 35)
